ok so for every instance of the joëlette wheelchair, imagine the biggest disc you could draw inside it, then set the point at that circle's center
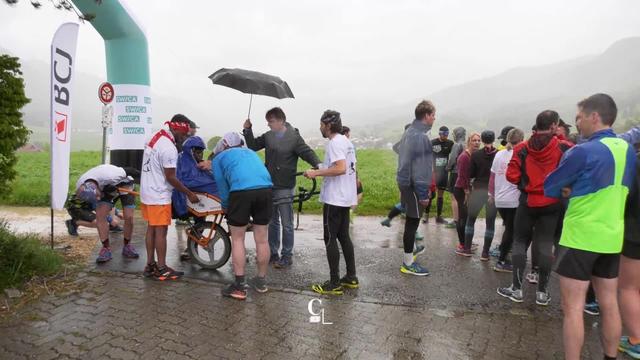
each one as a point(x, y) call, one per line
point(208, 242)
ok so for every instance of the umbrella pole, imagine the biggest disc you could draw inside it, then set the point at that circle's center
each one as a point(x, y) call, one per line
point(250, 101)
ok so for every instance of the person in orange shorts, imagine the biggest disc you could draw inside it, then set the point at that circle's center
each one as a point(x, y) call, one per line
point(156, 185)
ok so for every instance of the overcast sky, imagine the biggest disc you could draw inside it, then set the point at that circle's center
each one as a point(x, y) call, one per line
point(352, 56)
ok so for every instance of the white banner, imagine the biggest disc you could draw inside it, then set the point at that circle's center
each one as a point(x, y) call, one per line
point(132, 119)
point(63, 55)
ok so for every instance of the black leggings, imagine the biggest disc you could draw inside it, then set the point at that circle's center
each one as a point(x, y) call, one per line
point(394, 212)
point(461, 221)
point(336, 228)
point(508, 216)
point(439, 205)
point(477, 201)
point(409, 236)
point(539, 225)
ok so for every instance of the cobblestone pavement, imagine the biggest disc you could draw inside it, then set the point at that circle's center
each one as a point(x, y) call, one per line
point(452, 314)
point(124, 316)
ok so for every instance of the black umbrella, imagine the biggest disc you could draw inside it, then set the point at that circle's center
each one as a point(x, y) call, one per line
point(252, 82)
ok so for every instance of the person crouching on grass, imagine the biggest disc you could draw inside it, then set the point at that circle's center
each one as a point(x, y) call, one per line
point(338, 193)
point(245, 188)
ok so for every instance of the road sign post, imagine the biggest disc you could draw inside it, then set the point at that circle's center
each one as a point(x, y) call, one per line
point(105, 94)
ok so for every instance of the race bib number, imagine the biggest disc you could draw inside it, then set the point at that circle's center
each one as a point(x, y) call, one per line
point(441, 162)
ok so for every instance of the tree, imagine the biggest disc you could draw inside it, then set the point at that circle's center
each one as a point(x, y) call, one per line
point(212, 142)
point(60, 5)
point(13, 133)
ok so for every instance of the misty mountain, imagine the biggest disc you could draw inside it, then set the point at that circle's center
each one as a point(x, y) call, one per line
point(513, 97)
point(516, 96)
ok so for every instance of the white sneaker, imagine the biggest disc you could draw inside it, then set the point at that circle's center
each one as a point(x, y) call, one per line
point(542, 298)
point(532, 277)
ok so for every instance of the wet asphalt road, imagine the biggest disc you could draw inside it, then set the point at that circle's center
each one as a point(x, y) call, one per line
point(454, 281)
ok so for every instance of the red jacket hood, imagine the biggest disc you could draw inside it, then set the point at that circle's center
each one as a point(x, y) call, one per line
point(541, 147)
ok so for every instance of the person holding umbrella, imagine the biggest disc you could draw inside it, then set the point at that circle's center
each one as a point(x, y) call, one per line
point(283, 146)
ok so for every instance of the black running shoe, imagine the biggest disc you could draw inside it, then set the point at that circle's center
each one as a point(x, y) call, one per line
point(328, 288)
point(167, 273)
point(150, 270)
point(72, 228)
point(350, 282)
point(235, 291)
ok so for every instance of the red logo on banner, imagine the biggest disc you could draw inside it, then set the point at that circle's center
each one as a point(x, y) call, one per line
point(61, 126)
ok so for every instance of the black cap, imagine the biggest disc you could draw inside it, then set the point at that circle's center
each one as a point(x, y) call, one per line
point(193, 125)
point(505, 131)
point(444, 128)
point(132, 172)
point(488, 137)
point(563, 124)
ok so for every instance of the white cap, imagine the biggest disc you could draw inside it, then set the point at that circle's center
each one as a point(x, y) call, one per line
point(229, 140)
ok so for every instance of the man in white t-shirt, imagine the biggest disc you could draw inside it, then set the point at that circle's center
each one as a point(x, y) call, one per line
point(97, 191)
point(505, 195)
point(156, 184)
point(338, 193)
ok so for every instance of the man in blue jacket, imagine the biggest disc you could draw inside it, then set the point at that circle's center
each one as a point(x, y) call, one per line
point(415, 169)
point(244, 186)
point(596, 176)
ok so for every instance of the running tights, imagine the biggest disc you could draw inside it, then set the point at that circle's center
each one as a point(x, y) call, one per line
point(409, 236)
point(508, 215)
point(336, 228)
point(477, 201)
point(539, 225)
point(461, 221)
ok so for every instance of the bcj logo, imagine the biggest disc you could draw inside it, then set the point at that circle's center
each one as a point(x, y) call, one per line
point(60, 127)
point(317, 317)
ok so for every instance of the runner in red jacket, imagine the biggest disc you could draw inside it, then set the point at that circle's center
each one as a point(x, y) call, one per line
point(537, 215)
point(532, 161)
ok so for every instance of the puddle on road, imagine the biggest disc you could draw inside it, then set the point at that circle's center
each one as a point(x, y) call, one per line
point(447, 313)
point(366, 231)
point(34, 219)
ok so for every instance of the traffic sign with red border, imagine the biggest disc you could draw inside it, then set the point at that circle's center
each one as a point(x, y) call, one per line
point(105, 93)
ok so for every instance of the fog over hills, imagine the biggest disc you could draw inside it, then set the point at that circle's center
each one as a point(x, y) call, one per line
point(513, 97)
point(516, 96)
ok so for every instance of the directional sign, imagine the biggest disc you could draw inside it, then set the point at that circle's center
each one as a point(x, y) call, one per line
point(107, 115)
point(105, 93)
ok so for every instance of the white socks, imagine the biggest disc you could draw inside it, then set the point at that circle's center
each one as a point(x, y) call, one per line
point(408, 259)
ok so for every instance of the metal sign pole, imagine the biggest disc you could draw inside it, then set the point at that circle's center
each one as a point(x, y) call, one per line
point(105, 94)
point(107, 113)
point(104, 138)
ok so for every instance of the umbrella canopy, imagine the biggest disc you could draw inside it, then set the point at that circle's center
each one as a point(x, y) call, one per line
point(252, 82)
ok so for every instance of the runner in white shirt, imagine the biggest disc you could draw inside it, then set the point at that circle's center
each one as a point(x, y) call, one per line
point(156, 184)
point(506, 196)
point(338, 194)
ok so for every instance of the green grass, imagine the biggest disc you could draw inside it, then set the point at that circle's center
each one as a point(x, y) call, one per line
point(376, 169)
point(32, 185)
point(23, 256)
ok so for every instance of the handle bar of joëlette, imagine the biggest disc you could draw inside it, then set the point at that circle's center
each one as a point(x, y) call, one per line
point(302, 195)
